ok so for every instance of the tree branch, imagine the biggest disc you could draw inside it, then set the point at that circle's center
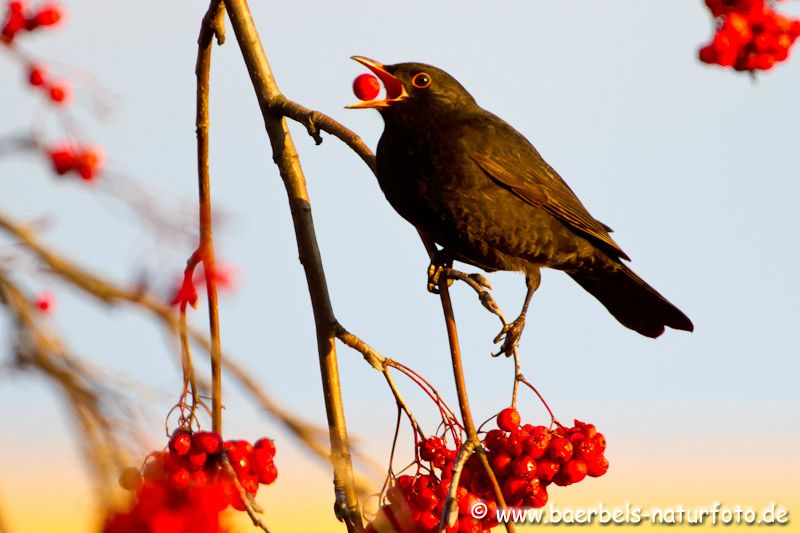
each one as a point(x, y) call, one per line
point(286, 158)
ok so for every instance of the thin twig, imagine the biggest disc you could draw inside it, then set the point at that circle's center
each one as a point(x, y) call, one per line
point(212, 23)
point(286, 158)
point(461, 388)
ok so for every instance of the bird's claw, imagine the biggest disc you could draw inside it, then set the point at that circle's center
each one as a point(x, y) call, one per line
point(435, 273)
point(510, 336)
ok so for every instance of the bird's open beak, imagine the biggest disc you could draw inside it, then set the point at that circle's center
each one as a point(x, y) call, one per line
point(394, 87)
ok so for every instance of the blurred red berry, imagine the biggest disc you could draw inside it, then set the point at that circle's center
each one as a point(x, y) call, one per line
point(59, 94)
point(130, 478)
point(48, 15)
point(45, 302)
point(36, 76)
point(180, 443)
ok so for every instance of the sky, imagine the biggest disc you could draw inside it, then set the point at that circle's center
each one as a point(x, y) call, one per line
point(694, 167)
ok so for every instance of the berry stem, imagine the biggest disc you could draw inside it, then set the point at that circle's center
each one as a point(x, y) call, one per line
point(521, 379)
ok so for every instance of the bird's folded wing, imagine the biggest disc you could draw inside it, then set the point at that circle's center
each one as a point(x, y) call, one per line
point(538, 184)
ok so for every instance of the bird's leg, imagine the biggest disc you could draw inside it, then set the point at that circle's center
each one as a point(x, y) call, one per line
point(511, 333)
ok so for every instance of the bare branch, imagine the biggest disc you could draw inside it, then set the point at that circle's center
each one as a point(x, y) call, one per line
point(286, 158)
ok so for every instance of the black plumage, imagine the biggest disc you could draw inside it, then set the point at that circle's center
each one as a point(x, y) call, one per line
point(475, 186)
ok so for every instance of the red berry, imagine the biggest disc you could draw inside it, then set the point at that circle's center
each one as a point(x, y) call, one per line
point(196, 459)
point(63, 160)
point(405, 483)
point(45, 302)
point(430, 448)
point(179, 479)
point(207, 441)
point(425, 499)
point(36, 76)
point(494, 440)
point(597, 466)
point(260, 461)
point(268, 475)
point(180, 443)
point(508, 419)
point(572, 471)
point(88, 163)
point(13, 25)
point(59, 93)
point(200, 478)
point(154, 468)
point(501, 464)
point(249, 483)
point(513, 445)
point(560, 449)
point(366, 87)
point(539, 498)
point(130, 478)
point(48, 15)
point(546, 469)
point(238, 457)
point(524, 467)
point(427, 521)
point(266, 444)
point(515, 486)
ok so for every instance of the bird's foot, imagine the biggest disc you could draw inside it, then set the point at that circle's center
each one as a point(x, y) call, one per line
point(510, 336)
point(437, 271)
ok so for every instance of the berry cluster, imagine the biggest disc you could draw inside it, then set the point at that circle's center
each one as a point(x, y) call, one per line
point(19, 19)
point(188, 483)
point(525, 460)
point(529, 458)
point(750, 35)
point(82, 160)
point(58, 92)
point(414, 504)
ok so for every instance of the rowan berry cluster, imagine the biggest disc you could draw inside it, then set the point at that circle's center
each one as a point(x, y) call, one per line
point(416, 503)
point(750, 35)
point(83, 161)
point(187, 485)
point(529, 458)
point(525, 460)
point(19, 18)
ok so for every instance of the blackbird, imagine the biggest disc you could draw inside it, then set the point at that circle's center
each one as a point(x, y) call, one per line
point(475, 186)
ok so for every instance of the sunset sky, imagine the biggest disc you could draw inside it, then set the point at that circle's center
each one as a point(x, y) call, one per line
point(694, 167)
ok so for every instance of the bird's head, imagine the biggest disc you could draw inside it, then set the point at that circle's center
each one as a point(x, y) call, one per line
point(414, 88)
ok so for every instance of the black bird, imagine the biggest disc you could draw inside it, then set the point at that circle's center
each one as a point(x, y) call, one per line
point(476, 187)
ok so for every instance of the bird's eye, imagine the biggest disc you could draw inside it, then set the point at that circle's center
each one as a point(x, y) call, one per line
point(421, 80)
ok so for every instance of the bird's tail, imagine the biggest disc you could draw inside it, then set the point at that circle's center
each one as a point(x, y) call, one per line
point(633, 302)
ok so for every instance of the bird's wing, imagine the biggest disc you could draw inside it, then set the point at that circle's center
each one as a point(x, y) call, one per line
point(522, 170)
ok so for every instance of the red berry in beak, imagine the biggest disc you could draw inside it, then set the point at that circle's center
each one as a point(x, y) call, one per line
point(366, 87)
